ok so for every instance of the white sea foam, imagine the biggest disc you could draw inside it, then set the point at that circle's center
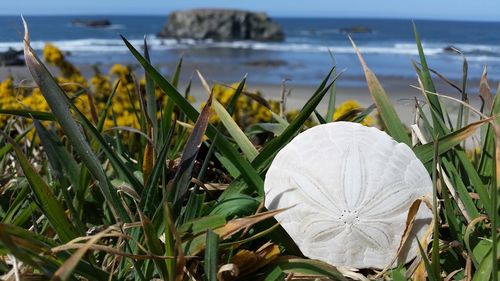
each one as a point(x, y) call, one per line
point(472, 51)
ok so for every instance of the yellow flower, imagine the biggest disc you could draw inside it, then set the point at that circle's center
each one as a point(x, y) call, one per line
point(52, 54)
point(348, 107)
point(120, 70)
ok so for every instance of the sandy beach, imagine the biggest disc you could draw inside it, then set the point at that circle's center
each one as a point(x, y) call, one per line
point(397, 88)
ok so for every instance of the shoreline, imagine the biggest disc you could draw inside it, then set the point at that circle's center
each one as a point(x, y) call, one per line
point(397, 88)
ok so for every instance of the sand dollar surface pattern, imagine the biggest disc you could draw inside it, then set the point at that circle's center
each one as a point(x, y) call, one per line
point(351, 187)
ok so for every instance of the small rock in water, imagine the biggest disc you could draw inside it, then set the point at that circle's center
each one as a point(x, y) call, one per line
point(356, 29)
point(266, 63)
point(11, 57)
point(92, 23)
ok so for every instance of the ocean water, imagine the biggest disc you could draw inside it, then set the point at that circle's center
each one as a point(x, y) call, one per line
point(304, 56)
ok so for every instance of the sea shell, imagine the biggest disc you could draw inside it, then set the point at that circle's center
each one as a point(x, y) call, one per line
point(350, 188)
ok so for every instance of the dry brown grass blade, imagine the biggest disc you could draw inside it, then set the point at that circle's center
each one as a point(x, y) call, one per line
point(228, 271)
point(421, 88)
point(485, 92)
point(64, 272)
point(450, 276)
point(232, 227)
point(113, 251)
point(385, 107)
point(468, 269)
point(420, 273)
point(496, 127)
point(149, 156)
point(410, 219)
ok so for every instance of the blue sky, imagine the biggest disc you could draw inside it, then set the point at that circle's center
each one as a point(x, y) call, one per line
point(413, 9)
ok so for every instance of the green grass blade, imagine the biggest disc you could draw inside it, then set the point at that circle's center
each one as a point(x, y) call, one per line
point(63, 164)
point(427, 82)
point(447, 142)
point(391, 120)
point(16, 205)
point(435, 261)
point(7, 147)
point(202, 224)
point(487, 157)
point(183, 175)
point(113, 156)
point(104, 112)
point(315, 267)
point(32, 249)
point(46, 200)
point(211, 256)
point(57, 100)
point(485, 270)
point(65, 272)
point(364, 114)
point(276, 274)
point(154, 245)
point(493, 207)
point(149, 194)
point(332, 96)
point(247, 171)
point(232, 128)
point(431, 275)
point(462, 191)
point(170, 246)
point(272, 148)
point(40, 115)
point(151, 107)
point(177, 73)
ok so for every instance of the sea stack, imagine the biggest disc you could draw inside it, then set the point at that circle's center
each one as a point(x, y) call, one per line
point(221, 25)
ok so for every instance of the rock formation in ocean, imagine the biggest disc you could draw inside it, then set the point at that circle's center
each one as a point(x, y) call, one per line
point(92, 23)
point(221, 25)
point(11, 57)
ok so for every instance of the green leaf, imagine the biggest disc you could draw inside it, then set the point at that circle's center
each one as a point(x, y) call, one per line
point(63, 164)
point(32, 249)
point(7, 147)
point(170, 246)
point(46, 200)
point(154, 245)
point(306, 266)
point(433, 276)
point(276, 274)
point(393, 124)
point(425, 76)
point(150, 96)
point(40, 115)
point(447, 142)
point(57, 101)
point(398, 274)
point(240, 206)
point(485, 270)
point(211, 256)
point(182, 178)
point(487, 156)
point(150, 192)
point(269, 151)
point(246, 170)
point(232, 128)
point(202, 224)
point(332, 97)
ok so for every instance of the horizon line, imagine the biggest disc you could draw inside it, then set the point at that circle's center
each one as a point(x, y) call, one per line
point(272, 15)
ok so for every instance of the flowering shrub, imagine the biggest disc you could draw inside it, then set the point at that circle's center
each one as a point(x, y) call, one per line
point(91, 95)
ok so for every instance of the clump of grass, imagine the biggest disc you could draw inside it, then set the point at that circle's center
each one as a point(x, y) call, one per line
point(184, 201)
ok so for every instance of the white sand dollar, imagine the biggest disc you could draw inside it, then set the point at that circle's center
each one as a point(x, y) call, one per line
point(351, 187)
